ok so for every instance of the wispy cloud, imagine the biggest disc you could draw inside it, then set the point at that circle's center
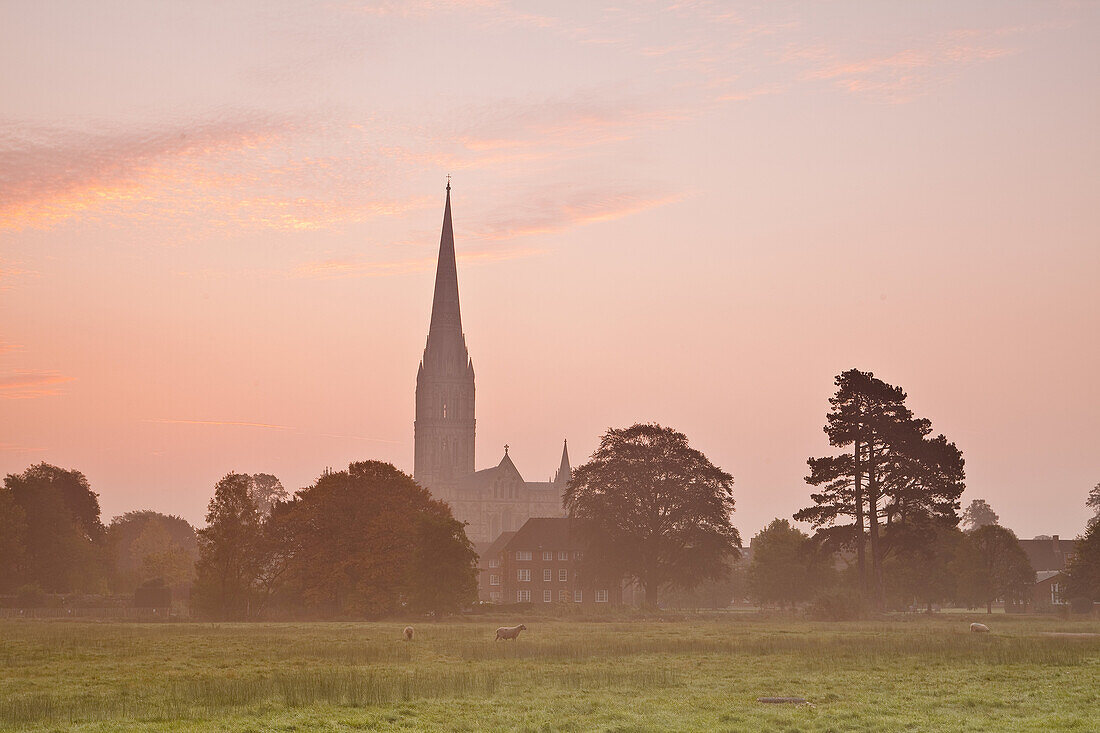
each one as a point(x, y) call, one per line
point(18, 448)
point(8, 346)
point(901, 74)
point(243, 172)
point(222, 423)
point(551, 210)
point(347, 268)
point(559, 209)
point(30, 384)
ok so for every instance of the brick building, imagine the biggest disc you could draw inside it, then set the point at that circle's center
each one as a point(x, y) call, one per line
point(539, 564)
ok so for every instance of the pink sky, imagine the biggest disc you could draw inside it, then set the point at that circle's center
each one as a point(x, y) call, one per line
point(218, 224)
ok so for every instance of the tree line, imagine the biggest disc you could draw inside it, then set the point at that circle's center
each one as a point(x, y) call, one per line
point(648, 507)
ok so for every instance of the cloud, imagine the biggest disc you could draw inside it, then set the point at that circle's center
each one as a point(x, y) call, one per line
point(30, 384)
point(350, 268)
point(17, 448)
point(558, 209)
point(543, 212)
point(10, 273)
point(901, 75)
point(8, 346)
point(234, 173)
point(221, 423)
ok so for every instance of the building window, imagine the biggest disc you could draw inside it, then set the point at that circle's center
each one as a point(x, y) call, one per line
point(547, 575)
point(576, 555)
point(601, 596)
point(563, 596)
point(523, 554)
point(494, 580)
point(494, 563)
point(496, 596)
point(578, 596)
point(563, 575)
point(563, 555)
point(547, 555)
point(523, 596)
point(523, 575)
point(547, 597)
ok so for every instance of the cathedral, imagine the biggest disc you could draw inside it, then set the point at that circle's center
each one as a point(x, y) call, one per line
point(492, 500)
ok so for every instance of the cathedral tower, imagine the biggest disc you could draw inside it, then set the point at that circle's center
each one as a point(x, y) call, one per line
point(444, 428)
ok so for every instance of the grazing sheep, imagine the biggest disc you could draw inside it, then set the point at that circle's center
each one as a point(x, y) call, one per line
point(509, 632)
point(979, 628)
point(408, 633)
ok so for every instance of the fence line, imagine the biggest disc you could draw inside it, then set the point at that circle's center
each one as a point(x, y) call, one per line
point(143, 614)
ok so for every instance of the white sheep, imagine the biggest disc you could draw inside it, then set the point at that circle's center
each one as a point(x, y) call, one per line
point(408, 633)
point(979, 628)
point(509, 632)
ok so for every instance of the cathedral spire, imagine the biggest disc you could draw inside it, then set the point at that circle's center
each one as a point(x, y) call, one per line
point(445, 311)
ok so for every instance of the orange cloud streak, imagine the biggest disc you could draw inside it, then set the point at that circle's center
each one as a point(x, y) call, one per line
point(30, 384)
point(227, 423)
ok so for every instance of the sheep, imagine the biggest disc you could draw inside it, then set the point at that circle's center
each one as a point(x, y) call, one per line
point(979, 628)
point(408, 633)
point(509, 632)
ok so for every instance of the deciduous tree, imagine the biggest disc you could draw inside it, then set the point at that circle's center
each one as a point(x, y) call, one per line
point(230, 550)
point(63, 538)
point(653, 509)
point(991, 564)
point(1083, 569)
point(786, 568)
point(979, 514)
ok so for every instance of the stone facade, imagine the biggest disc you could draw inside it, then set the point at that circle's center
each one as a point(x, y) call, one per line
point(492, 500)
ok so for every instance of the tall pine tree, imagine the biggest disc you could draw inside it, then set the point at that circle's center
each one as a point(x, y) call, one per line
point(892, 481)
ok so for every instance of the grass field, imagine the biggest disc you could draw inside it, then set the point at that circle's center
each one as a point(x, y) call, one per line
point(698, 673)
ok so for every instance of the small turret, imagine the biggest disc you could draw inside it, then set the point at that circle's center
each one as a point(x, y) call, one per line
point(564, 471)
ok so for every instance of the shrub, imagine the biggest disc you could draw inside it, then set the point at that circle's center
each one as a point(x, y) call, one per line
point(1080, 604)
point(837, 605)
point(31, 596)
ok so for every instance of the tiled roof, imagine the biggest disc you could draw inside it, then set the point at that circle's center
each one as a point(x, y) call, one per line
point(495, 547)
point(545, 532)
point(1048, 554)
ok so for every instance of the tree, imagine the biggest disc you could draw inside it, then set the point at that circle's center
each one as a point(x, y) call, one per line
point(1093, 503)
point(786, 568)
point(979, 514)
point(717, 593)
point(652, 509)
point(266, 491)
point(893, 480)
point(230, 550)
point(13, 530)
point(442, 573)
point(924, 573)
point(1083, 569)
point(145, 544)
point(161, 557)
point(370, 541)
point(63, 537)
point(991, 564)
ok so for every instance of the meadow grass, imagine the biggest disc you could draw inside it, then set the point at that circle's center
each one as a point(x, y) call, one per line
point(694, 673)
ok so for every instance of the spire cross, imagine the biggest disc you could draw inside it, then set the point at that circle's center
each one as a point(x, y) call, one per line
point(505, 449)
point(448, 181)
